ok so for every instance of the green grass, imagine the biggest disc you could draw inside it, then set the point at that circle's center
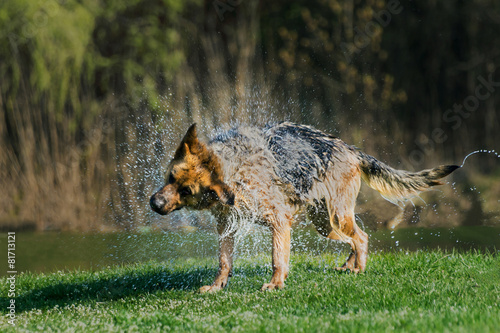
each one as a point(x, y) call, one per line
point(416, 292)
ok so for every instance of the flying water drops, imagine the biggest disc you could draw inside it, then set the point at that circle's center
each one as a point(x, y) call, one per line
point(480, 151)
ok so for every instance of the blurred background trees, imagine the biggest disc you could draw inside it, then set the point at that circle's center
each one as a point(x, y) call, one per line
point(95, 95)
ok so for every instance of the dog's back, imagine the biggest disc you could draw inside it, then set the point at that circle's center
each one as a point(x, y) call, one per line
point(304, 155)
point(299, 156)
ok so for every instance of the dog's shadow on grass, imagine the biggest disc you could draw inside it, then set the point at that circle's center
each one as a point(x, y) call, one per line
point(88, 288)
point(97, 287)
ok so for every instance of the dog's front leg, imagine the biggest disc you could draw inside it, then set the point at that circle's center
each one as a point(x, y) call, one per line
point(281, 256)
point(226, 244)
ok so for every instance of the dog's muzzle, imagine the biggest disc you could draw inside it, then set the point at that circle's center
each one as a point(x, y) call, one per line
point(157, 203)
point(163, 203)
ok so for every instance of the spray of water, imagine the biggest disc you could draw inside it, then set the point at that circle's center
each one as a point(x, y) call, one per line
point(480, 151)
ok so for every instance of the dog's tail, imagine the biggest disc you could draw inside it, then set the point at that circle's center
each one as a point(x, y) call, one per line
point(398, 185)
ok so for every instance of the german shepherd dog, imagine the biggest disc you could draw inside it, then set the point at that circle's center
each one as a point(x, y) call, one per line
point(271, 174)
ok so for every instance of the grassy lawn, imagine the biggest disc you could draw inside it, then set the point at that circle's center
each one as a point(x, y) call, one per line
point(426, 291)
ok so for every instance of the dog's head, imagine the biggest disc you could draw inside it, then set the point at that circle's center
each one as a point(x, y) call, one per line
point(193, 179)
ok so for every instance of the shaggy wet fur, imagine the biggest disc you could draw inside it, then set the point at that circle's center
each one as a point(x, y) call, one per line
point(273, 173)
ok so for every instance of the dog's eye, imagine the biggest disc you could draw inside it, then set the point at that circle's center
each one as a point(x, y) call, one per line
point(185, 191)
point(171, 179)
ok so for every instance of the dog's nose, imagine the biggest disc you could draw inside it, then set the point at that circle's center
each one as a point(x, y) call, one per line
point(157, 202)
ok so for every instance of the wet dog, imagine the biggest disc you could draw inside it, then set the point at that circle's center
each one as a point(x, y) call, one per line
point(271, 174)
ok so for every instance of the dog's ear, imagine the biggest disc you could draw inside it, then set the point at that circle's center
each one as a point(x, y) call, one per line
point(189, 141)
point(191, 137)
point(224, 193)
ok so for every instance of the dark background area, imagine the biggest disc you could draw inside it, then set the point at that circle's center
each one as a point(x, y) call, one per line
point(94, 96)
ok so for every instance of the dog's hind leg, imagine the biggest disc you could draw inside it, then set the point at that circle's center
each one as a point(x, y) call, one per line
point(361, 240)
point(327, 223)
point(337, 226)
point(350, 233)
point(226, 245)
point(340, 204)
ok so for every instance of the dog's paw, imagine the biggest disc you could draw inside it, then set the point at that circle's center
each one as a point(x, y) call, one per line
point(272, 286)
point(210, 289)
point(347, 269)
